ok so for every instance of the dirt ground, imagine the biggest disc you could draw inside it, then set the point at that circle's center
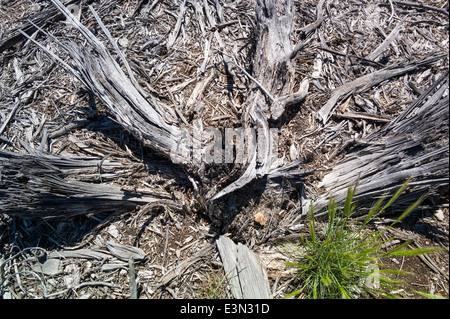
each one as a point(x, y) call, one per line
point(427, 274)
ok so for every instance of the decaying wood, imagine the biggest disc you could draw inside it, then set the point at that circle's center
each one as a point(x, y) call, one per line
point(184, 265)
point(10, 116)
point(244, 271)
point(383, 46)
point(79, 253)
point(272, 86)
point(421, 6)
point(358, 92)
point(14, 36)
point(272, 54)
point(125, 252)
point(103, 76)
point(409, 148)
point(362, 116)
point(367, 81)
point(49, 186)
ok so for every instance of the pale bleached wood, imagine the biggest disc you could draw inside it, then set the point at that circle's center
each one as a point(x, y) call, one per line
point(43, 185)
point(365, 82)
point(384, 45)
point(409, 147)
point(244, 271)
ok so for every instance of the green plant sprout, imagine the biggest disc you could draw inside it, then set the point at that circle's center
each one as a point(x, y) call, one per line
point(343, 260)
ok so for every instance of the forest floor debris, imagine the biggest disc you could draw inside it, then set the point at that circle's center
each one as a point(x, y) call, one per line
point(195, 63)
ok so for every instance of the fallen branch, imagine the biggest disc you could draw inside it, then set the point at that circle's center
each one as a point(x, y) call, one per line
point(421, 6)
point(314, 25)
point(367, 81)
point(362, 116)
point(12, 37)
point(389, 39)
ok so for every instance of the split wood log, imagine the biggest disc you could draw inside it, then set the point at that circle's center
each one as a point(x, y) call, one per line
point(414, 147)
point(50, 186)
point(244, 271)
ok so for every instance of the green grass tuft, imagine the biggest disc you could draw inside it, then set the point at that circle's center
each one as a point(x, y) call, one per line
point(342, 260)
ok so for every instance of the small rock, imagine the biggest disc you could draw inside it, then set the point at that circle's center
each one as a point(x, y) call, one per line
point(260, 219)
point(439, 215)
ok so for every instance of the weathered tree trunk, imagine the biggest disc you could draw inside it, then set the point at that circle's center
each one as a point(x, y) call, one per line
point(414, 146)
point(34, 186)
point(273, 83)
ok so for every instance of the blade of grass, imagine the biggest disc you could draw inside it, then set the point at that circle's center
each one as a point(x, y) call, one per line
point(288, 263)
point(312, 226)
point(334, 263)
point(394, 272)
point(331, 216)
point(431, 296)
point(387, 282)
point(417, 251)
point(348, 208)
point(410, 209)
point(397, 195)
point(393, 251)
point(295, 293)
point(373, 212)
